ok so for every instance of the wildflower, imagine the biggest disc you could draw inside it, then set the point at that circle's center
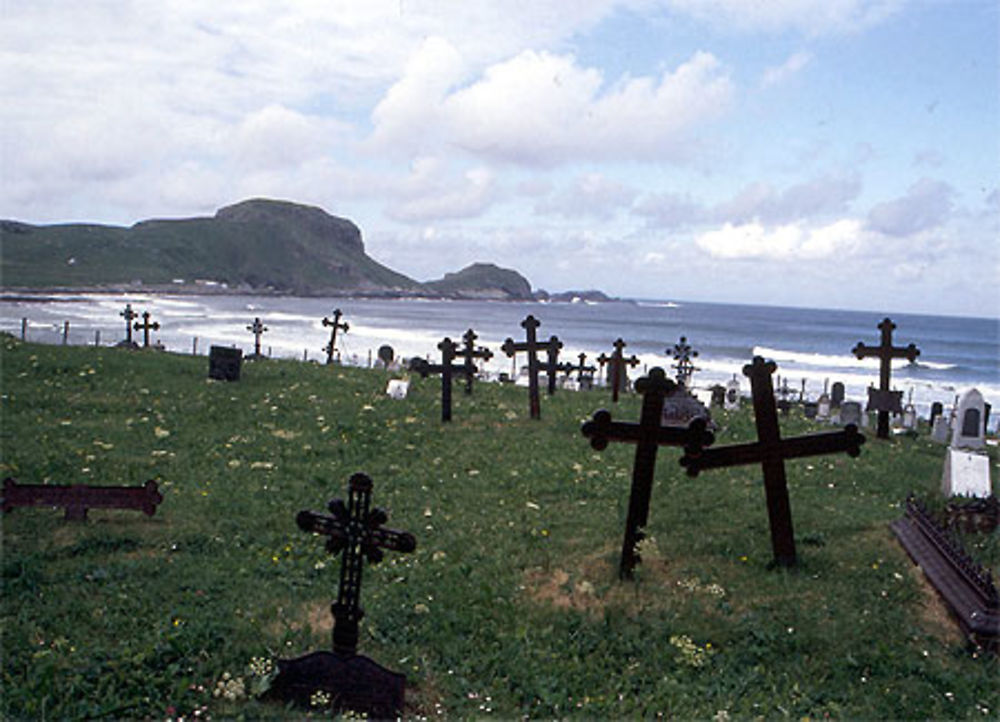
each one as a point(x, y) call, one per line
point(532, 505)
point(233, 463)
point(421, 608)
point(439, 555)
point(160, 432)
point(266, 465)
point(319, 698)
point(230, 688)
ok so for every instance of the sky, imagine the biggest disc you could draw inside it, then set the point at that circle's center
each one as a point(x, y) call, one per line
point(815, 153)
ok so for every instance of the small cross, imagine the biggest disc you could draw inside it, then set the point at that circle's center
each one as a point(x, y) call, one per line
point(145, 327)
point(683, 353)
point(129, 315)
point(356, 529)
point(770, 451)
point(648, 435)
point(336, 324)
point(447, 369)
point(885, 400)
point(617, 366)
point(582, 370)
point(530, 325)
point(257, 328)
point(469, 352)
point(552, 365)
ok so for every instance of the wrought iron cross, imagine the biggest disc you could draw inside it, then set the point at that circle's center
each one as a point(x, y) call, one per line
point(145, 327)
point(552, 365)
point(582, 370)
point(356, 530)
point(129, 315)
point(648, 435)
point(885, 400)
point(257, 328)
point(447, 369)
point(683, 353)
point(530, 345)
point(470, 353)
point(770, 451)
point(335, 324)
point(617, 366)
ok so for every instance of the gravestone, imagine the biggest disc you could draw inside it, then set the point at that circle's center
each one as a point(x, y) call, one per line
point(783, 393)
point(718, 395)
point(823, 407)
point(941, 430)
point(617, 372)
point(335, 325)
point(648, 435)
point(257, 328)
point(385, 355)
point(680, 408)
point(352, 681)
point(884, 400)
point(909, 420)
point(470, 352)
point(531, 346)
point(78, 498)
point(224, 363)
point(969, 432)
point(129, 315)
point(397, 388)
point(732, 394)
point(810, 409)
point(850, 413)
point(447, 369)
point(771, 451)
point(936, 409)
point(966, 464)
point(683, 353)
point(146, 326)
point(836, 395)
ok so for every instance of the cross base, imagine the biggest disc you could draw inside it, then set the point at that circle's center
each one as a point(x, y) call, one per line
point(354, 682)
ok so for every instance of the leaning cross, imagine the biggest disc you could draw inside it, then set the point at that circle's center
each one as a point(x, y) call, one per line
point(884, 400)
point(648, 435)
point(335, 324)
point(129, 315)
point(145, 327)
point(770, 451)
point(617, 368)
point(447, 369)
point(683, 353)
point(530, 325)
point(257, 328)
point(470, 353)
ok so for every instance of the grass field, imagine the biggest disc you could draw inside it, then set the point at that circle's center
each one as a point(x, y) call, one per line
point(509, 608)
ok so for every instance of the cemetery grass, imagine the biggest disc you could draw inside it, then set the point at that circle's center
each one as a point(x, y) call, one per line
point(510, 606)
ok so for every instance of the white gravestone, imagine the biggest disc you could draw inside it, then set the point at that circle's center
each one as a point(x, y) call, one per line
point(941, 429)
point(823, 407)
point(968, 431)
point(397, 388)
point(966, 465)
point(850, 413)
point(732, 399)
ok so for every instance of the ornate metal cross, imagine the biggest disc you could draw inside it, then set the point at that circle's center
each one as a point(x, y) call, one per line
point(335, 324)
point(884, 400)
point(530, 325)
point(552, 366)
point(470, 353)
point(683, 353)
point(257, 328)
point(618, 364)
point(356, 530)
point(129, 315)
point(145, 327)
point(770, 451)
point(582, 370)
point(648, 435)
point(447, 369)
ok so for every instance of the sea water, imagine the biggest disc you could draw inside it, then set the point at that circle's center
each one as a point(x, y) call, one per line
point(813, 345)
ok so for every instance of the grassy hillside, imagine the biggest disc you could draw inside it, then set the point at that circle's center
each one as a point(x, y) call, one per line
point(483, 280)
point(510, 606)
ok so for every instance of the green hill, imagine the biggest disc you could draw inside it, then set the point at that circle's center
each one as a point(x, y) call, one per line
point(483, 281)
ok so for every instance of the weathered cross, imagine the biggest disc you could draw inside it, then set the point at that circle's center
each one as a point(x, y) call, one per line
point(145, 327)
point(335, 324)
point(648, 435)
point(78, 498)
point(884, 400)
point(617, 367)
point(129, 315)
point(447, 369)
point(257, 328)
point(530, 325)
point(683, 353)
point(582, 370)
point(552, 366)
point(470, 353)
point(770, 451)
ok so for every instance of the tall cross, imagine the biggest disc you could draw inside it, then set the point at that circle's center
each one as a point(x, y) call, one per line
point(884, 400)
point(470, 353)
point(145, 327)
point(447, 369)
point(530, 325)
point(552, 366)
point(683, 353)
point(129, 315)
point(770, 451)
point(648, 435)
point(356, 530)
point(257, 328)
point(336, 324)
point(617, 364)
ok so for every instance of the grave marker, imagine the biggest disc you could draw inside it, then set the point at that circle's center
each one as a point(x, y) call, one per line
point(146, 327)
point(823, 404)
point(354, 682)
point(648, 435)
point(617, 367)
point(770, 451)
point(447, 369)
point(937, 408)
point(836, 394)
point(530, 345)
point(552, 366)
point(966, 464)
point(732, 394)
point(470, 353)
point(850, 413)
point(129, 315)
point(224, 363)
point(683, 353)
point(883, 399)
point(335, 324)
point(584, 373)
point(78, 498)
point(257, 328)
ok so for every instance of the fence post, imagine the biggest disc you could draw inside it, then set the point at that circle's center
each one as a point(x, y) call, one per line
point(65, 333)
point(97, 337)
point(24, 329)
point(194, 346)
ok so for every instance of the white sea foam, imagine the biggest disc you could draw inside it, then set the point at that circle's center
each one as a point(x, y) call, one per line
point(803, 358)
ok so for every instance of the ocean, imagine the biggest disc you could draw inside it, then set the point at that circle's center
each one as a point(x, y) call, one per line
point(813, 345)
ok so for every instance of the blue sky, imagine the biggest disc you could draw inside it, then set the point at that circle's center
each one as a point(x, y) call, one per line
point(827, 153)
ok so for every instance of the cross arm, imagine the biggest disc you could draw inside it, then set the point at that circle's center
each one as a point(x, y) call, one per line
point(601, 429)
point(510, 347)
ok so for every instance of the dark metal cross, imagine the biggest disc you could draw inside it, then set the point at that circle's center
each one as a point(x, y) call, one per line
point(552, 366)
point(648, 435)
point(582, 370)
point(335, 324)
point(884, 400)
point(618, 364)
point(470, 353)
point(145, 327)
point(770, 451)
point(356, 530)
point(129, 315)
point(683, 353)
point(530, 325)
point(447, 369)
point(257, 328)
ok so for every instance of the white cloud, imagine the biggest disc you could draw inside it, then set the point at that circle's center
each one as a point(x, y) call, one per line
point(927, 204)
point(781, 243)
point(779, 74)
point(823, 195)
point(592, 194)
point(433, 191)
point(811, 17)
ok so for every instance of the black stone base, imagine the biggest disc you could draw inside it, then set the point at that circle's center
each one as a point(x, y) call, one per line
point(353, 682)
